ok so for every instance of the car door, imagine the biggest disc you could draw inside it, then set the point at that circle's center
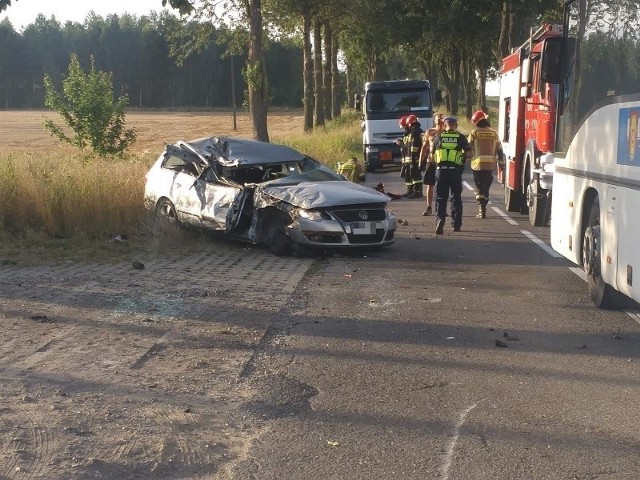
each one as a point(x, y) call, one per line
point(215, 199)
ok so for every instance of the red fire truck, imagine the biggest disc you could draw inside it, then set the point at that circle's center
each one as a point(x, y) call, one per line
point(526, 125)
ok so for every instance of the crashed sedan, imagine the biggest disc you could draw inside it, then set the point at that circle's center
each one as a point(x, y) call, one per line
point(265, 194)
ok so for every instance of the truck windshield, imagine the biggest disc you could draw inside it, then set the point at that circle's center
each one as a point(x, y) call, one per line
point(379, 101)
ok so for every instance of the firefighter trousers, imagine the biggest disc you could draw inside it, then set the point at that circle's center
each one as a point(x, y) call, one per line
point(483, 180)
point(449, 181)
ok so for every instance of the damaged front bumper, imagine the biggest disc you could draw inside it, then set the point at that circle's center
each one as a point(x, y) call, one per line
point(345, 228)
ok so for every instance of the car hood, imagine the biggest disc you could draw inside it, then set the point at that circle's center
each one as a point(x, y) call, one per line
point(309, 195)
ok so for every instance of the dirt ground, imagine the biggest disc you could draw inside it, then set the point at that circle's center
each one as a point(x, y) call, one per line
point(120, 370)
point(112, 371)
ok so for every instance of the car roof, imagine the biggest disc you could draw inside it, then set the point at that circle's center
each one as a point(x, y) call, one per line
point(233, 151)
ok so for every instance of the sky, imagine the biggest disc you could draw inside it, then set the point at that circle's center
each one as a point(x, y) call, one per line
point(23, 12)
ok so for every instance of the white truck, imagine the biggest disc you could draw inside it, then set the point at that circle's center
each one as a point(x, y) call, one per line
point(382, 105)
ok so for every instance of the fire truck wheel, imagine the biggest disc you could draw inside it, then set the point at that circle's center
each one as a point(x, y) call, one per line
point(602, 294)
point(537, 203)
point(512, 199)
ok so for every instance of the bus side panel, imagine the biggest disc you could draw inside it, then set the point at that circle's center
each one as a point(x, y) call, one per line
point(565, 234)
point(590, 168)
point(628, 247)
point(628, 200)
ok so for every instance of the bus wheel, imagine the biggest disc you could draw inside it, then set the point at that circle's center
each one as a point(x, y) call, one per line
point(602, 294)
point(537, 203)
point(511, 199)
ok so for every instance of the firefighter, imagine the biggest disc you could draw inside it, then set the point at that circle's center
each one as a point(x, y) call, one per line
point(404, 170)
point(413, 142)
point(427, 165)
point(352, 170)
point(450, 149)
point(486, 149)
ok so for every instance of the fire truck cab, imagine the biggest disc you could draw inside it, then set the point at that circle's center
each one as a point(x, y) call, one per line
point(526, 124)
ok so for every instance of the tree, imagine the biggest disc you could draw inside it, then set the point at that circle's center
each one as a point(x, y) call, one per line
point(255, 72)
point(87, 106)
point(4, 4)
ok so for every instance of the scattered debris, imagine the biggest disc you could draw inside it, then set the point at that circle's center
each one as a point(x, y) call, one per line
point(617, 337)
point(120, 238)
point(331, 443)
point(138, 265)
point(41, 319)
point(7, 263)
point(501, 344)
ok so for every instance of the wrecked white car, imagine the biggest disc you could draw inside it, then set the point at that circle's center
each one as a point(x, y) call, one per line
point(265, 194)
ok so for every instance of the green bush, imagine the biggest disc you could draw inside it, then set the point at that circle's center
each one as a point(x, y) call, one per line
point(87, 106)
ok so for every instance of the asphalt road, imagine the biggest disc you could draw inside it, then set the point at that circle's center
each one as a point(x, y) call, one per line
point(468, 356)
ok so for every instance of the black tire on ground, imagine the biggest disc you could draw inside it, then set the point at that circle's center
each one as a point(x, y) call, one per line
point(278, 242)
point(602, 294)
point(512, 199)
point(538, 203)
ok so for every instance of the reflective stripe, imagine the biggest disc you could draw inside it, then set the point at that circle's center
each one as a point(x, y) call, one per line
point(449, 150)
point(484, 142)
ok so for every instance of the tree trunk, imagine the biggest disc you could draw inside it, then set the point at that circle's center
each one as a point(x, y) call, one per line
point(308, 74)
point(505, 27)
point(482, 95)
point(328, 62)
point(257, 73)
point(451, 76)
point(317, 72)
point(335, 78)
point(373, 63)
point(469, 85)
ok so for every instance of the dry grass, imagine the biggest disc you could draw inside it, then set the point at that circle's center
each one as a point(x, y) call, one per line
point(61, 203)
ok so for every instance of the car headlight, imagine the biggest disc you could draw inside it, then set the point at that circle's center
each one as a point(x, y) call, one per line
point(311, 214)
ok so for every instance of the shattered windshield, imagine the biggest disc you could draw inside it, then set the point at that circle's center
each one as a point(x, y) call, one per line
point(309, 171)
point(286, 173)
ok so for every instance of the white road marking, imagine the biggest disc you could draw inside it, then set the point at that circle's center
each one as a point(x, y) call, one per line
point(504, 215)
point(541, 244)
point(469, 187)
point(454, 440)
point(579, 272)
point(634, 315)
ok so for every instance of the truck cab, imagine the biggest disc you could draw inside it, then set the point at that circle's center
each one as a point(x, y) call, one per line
point(382, 105)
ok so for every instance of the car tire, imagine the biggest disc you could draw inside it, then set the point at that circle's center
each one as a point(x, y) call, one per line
point(278, 242)
point(166, 212)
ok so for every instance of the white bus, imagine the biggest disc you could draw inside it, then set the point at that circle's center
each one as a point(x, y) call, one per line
point(596, 185)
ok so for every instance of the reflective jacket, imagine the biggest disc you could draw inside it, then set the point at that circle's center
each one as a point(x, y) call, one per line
point(486, 148)
point(450, 146)
point(412, 144)
point(351, 170)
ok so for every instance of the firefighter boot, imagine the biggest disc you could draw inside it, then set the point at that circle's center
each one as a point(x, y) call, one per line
point(409, 192)
point(417, 192)
point(482, 212)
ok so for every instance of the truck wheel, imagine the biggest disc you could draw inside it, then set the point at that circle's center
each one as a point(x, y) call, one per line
point(537, 203)
point(371, 166)
point(602, 294)
point(511, 199)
